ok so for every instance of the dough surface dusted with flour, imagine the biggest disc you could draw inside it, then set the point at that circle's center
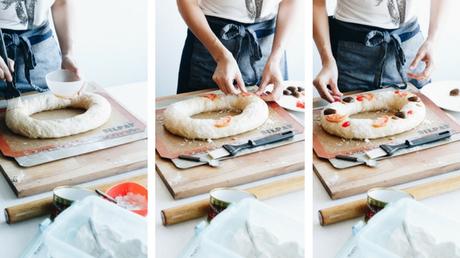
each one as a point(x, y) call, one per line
point(408, 109)
point(178, 116)
point(18, 115)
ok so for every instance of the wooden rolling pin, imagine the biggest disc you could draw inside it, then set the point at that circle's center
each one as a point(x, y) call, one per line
point(357, 208)
point(43, 206)
point(200, 208)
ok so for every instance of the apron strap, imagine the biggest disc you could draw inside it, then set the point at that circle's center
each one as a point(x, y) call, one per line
point(248, 38)
point(386, 39)
point(20, 43)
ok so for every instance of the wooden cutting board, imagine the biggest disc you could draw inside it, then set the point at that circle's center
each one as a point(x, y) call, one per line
point(232, 172)
point(390, 172)
point(75, 170)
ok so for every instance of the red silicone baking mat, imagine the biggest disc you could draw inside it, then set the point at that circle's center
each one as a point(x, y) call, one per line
point(171, 146)
point(328, 146)
point(121, 124)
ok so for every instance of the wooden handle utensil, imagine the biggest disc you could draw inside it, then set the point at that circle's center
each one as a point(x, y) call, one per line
point(200, 208)
point(25, 211)
point(357, 208)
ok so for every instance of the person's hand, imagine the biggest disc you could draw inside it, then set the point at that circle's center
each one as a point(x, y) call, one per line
point(5, 71)
point(271, 76)
point(424, 54)
point(326, 82)
point(68, 63)
point(228, 76)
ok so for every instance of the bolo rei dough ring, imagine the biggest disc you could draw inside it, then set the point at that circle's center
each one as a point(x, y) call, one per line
point(409, 111)
point(178, 116)
point(18, 115)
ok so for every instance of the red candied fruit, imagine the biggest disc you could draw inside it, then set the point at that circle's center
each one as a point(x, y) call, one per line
point(300, 104)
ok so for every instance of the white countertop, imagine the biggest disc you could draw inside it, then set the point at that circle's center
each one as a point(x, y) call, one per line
point(171, 240)
point(15, 238)
point(329, 240)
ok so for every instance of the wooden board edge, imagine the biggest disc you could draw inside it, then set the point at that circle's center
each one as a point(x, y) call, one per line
point(7, 178)
point(289, 169)
point(336, 195)
point(113, 171)
point(163, 179)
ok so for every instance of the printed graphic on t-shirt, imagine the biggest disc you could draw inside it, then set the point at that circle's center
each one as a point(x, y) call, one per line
point(254, 8)
point(396, 9)
point(25, 9)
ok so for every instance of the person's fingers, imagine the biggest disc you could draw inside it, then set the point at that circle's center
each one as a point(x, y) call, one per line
point(323, 91)
point(428, 69)
point(6, 72)
point(277, 91)
point(334, 88)
point(11, 64)
point(220, 83)
point(230, 87)
point(2, 75)
point(417, 60)
point(326, 95)
point(263, 84)
point(426, 73)
point(240, 83)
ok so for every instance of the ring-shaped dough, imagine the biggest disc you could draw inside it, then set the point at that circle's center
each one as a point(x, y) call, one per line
point(409, 113)
point(178, 116)
point(18, 115)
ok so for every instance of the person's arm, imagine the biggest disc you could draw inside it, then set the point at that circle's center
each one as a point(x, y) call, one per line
point(227, 70)
point(272, 72)
point(425, 52)
point(328, 75)
point(63, 23)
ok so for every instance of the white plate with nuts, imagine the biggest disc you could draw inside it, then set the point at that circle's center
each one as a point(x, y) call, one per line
point(445, 94)
point(293, 97)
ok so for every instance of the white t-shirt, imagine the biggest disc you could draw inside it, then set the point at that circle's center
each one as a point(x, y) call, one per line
point(244, 11)
point(24, 14)
point(388, 14)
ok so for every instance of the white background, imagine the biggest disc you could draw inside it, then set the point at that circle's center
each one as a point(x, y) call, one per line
point(170, 37)
point(447, 51)
point(111, 40)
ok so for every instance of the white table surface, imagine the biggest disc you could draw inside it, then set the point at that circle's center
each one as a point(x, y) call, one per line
point(15, 238)
point(328, 240)
point(171, 240)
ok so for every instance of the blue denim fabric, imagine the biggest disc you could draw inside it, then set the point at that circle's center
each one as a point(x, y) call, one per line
point(250, 44)
point(47, 59)
point(359, 63)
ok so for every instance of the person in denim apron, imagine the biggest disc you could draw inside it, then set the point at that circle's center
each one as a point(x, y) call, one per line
point(31, 46)
point(372, 44)
point(231, 44)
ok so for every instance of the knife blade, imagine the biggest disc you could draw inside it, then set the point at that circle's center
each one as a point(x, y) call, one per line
point(390, 149)
point(232, 150)
point(211, 162)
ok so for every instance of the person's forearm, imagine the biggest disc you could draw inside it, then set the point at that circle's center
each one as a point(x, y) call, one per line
point(197, 23)
point(321, 31)
point(436, 10)
point(283, 24)
point(63, 23)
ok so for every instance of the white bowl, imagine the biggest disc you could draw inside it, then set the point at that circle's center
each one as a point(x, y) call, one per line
point(64, 83)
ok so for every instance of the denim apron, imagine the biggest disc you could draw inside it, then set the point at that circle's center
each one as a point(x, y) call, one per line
point(250, 45)
point(370, 58)
point(35, 53)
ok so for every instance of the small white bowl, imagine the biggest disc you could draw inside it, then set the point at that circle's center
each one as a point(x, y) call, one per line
point(64, 83)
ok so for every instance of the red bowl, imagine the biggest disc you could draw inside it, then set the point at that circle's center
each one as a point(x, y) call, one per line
point(123, 189)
